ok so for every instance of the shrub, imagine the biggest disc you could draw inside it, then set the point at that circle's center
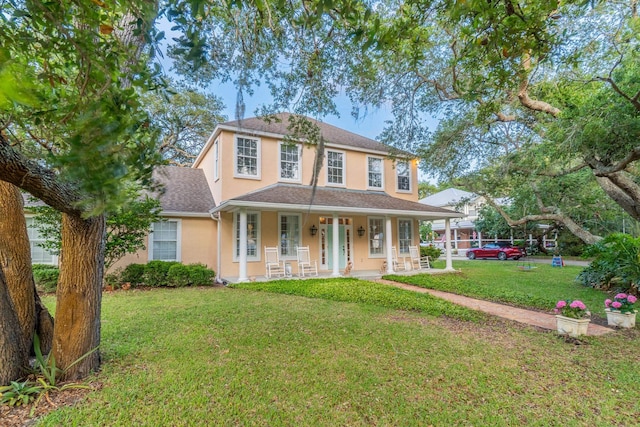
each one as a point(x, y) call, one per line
point(178, 275)
point(193, 274)
point(46, 276)
point(201, 275)
point(133, 273)
point(113, 279)
point(155, 272)
point(431, 251)
point(616, 263)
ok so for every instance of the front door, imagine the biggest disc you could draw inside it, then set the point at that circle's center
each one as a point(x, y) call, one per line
point(345, 242)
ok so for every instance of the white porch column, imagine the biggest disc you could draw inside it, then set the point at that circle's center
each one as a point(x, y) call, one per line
point(388, 243)
point(242, 268)
point(336, 246)
point(455, 238)
point(447, 231)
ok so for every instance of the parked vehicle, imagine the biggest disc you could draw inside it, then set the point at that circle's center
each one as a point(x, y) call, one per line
point(500, 250)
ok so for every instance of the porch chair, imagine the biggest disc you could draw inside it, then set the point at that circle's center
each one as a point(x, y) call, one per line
point(414, 254)
point(305, 265)
point(273, 265)
point(398, 265)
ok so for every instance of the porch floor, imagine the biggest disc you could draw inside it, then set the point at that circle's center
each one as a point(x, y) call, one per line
point(359, 274)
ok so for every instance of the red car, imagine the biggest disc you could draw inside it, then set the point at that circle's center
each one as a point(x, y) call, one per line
point(500, 250)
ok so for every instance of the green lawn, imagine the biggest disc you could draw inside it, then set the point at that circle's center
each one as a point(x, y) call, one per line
point(503, 281)
point(220, 356)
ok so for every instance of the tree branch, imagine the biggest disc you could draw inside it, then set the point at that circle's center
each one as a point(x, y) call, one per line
point(41, 182)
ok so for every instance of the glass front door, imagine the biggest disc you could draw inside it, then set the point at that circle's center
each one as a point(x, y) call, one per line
point(345, 242)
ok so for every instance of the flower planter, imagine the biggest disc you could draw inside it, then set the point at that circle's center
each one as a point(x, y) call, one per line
point(572, 327)
point(622, 320)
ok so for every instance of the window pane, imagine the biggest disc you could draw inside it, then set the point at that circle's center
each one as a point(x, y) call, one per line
point(252, 233)
point(289, 162)
point(335, 167)
point(165, 240)
point(289, 234)
point(39, 255)
point(376, 236)
point(375, 172)
point(404, 235)
point(247, 156)
point(402, 170)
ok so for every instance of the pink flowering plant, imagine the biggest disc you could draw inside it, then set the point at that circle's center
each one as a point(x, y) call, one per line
point(623, 303)
point(575, 309)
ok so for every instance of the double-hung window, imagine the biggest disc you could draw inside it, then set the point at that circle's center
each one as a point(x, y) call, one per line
point(335, 168)
point(247, 152)
point(403, 174)
point(164, 241)
point(289, 232)
point(405, 234)
point(253, 236)
point(375, 178)
point(290, 162)
point(376, 236)
point(39, 255)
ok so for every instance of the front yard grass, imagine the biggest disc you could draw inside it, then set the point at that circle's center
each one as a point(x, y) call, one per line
point(502, 281)
point(220, 356)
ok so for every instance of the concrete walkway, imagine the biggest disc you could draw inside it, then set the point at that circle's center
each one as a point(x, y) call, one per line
point(529, 317)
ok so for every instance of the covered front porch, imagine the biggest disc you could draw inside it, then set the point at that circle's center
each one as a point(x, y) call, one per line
point(347, 232)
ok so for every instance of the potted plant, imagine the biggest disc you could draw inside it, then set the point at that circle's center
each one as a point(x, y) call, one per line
point(572, 317)
point(621, 311)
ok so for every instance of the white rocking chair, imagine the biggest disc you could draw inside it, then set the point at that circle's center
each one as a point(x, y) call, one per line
point(398, 265)
point(414, 254)
point(273, 265)
point(305, 265)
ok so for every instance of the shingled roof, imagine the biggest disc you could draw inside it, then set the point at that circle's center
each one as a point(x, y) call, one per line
point(330, 133)
point(283, 196)
point(185, 190)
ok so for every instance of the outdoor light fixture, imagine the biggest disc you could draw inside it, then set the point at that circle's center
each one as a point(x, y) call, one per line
point(313, 230)
point(361, 231)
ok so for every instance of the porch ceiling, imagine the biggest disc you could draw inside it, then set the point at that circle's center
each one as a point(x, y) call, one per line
point(329, 200)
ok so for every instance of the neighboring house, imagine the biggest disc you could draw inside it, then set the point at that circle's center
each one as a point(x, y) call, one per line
point(249, 189)
point(463, 230)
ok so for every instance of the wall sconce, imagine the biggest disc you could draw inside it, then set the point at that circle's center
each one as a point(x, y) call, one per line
point(361, 231)
point(313, 230)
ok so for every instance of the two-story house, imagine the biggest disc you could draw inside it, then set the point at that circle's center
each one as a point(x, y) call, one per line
point(249, 188)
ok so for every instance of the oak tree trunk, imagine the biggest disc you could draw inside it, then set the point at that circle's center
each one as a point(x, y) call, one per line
point(79, 293)
point(14, 357)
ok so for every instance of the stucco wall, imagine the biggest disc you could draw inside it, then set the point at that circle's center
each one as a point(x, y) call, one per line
point(198, 244)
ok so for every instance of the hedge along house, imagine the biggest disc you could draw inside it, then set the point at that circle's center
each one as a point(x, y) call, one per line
point(249, 189)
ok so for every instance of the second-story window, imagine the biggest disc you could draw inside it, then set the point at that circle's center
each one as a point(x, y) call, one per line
point(247, 157)
point(216, 160)
point(374, 172)
point(335, 168)
point(289, 162)
point(403, 173)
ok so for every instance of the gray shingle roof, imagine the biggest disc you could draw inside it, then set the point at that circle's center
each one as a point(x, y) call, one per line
point(331, 134)
point(338, 199)
point(448, 197)
point(185, 190)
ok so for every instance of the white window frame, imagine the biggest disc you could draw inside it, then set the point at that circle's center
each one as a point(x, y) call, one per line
point(216, 160)
point(410, 243)
point(34, 239)
point(237, 174)
point(369, 186)
point(258, 233)
point(344, 169)
point(370, 237)
point(299, 149)
point(408, 163)
point(293, 253)
point(178, 241)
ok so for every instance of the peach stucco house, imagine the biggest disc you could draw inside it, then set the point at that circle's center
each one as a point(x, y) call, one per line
point(249, 189)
